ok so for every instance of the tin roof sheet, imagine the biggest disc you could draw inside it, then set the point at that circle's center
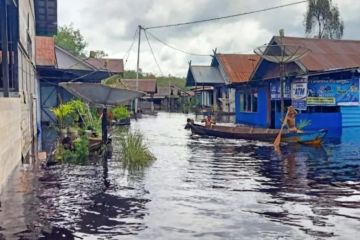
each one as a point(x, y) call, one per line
point(206, 75)
point(45, 51)
point(238, 67)
point(327, 54)
point(144, 85)
point(107, 64)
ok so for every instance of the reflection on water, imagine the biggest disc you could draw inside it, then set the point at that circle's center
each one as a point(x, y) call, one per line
point(199, 188)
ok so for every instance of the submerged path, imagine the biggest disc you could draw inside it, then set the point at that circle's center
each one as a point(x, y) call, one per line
point(197, 189)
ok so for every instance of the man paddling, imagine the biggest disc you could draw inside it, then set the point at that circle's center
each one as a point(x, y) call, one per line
point(291, 120)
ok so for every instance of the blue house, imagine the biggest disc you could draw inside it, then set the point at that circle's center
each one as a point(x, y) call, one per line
point(215, 84)
point(327, 78)
point(204, 81)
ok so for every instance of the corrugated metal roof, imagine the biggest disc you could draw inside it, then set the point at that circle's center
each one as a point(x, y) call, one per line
point(66, 60)
point(112, 65)
point(206, 75)
point(45, 51)
point(327, 54)
point(238, 67)
point(144, 85)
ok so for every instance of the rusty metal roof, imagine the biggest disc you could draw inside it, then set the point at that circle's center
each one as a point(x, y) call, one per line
point(238, 67)
point(45, 51)
point(107, 64)
point(326, 54)
point(144, 85)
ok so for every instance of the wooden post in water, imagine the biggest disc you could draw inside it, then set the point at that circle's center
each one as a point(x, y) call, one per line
point(138, 70)
point(104, 124)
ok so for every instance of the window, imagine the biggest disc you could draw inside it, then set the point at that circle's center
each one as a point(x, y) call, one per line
point(248, 101)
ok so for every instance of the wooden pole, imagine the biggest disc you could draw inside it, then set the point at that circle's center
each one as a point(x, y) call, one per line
point(104, 124)
point(278, 138)
point(282, 82)
point(138, 70)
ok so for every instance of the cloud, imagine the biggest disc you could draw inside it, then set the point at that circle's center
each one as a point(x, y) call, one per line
point(110, 25)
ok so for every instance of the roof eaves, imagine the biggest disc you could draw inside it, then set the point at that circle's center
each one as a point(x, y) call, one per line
point(75, 57)
point(221, 69)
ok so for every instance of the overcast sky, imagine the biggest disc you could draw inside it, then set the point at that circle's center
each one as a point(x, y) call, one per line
point(110, 25)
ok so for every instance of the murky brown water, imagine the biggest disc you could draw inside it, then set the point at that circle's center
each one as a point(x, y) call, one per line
point(197, 189)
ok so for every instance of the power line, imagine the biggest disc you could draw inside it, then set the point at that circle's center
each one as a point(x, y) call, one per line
point(175, 48)
point(225, 17)
point(127, 54)
point(152, 52)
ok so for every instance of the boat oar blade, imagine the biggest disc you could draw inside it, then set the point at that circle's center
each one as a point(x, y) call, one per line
point(278, 140)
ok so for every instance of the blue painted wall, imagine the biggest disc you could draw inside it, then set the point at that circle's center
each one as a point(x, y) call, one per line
point(330, 121)
point(318, 120)
point(258, 118)
point(350, 116)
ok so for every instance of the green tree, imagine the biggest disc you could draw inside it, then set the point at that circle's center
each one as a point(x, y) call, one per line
point(98, 54)
point(131, 74)
point(71, 40)
point(323, 18)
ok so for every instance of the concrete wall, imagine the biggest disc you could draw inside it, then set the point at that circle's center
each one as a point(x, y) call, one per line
point(18, 114)
point(28, 84)
point(10, 140)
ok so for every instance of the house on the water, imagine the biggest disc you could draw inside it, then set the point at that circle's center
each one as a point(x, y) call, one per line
point(214, 85)
point(204, 82)
point(171, 98)
point(56, 65)
point(323, 86)
point(148, 86)
point(234, 69)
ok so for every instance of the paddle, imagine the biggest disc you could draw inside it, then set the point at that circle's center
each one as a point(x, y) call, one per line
point(278, 138)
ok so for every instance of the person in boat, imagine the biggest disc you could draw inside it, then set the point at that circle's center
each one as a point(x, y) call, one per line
point(291, 120)
point(189, 123)
point(208, 121)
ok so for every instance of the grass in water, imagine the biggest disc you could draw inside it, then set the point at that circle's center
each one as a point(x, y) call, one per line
point(135, 153)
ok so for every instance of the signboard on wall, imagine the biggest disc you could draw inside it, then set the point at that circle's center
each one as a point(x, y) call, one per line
point(333, 92)
point(275, 90)
point(299, 93)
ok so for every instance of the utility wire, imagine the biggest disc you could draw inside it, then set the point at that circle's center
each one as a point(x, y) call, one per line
point(225, 17)
point(175, 48)
point(152, 52)
point(127, 54)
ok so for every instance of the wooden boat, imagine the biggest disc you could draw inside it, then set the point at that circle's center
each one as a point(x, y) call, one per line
point(259, 134)
point(94, 144)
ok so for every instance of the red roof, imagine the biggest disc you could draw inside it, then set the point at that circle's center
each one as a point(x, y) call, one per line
point(327, 54)
point(45, 51)
point(238, 67)
point(144, 85)
point(112, 65)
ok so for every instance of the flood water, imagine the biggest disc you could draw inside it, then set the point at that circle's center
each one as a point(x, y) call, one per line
point(197, 189)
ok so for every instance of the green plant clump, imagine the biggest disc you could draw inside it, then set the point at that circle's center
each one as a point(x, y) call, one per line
point(303, 124)
point(135, 153)
point(63, 114)
point(78, 155)
point(120, 112)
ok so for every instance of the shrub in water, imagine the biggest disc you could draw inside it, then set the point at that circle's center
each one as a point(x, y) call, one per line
point(135, 153)
point(120, 113)
point(303, 124)
point(78, 155)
